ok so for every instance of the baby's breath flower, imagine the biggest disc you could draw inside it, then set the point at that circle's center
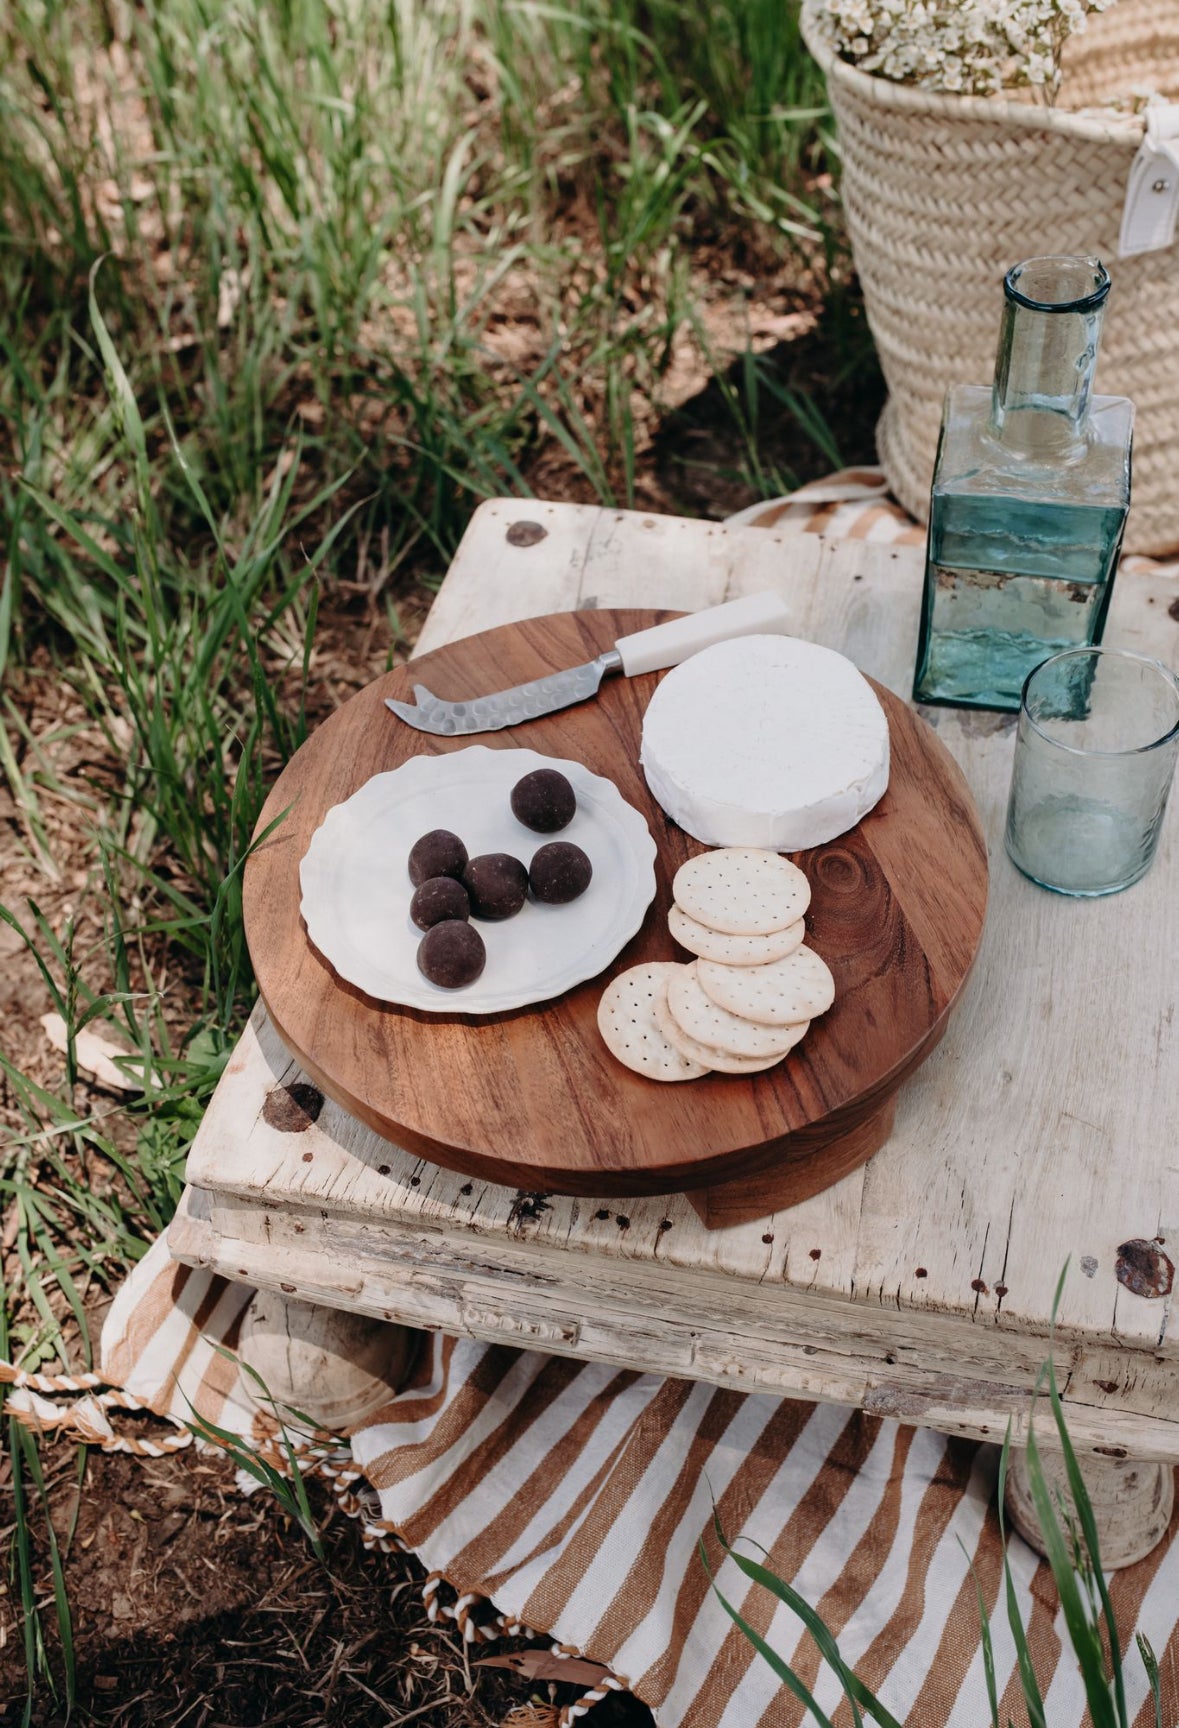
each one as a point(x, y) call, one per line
point(976, 47)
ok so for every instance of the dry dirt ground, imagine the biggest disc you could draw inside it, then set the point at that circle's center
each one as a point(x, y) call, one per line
point(192, 1604)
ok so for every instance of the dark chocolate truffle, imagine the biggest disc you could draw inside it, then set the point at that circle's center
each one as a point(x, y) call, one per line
point(497, 884)
point(437, 898)
point(560, 872)
point(451, 954)
point(544, 801)
point(438, 853)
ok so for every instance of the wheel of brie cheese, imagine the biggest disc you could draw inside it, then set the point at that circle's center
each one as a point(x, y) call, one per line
point(765, 741)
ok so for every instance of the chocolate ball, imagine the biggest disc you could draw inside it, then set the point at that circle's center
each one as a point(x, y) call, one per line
point(497, 884)
point(438, 853)
point(544, 801)
point(451, 954)
point(437, 898)
point(560, 872)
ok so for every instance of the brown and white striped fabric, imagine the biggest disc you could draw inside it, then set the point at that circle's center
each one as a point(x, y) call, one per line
point(575, 1497)
point(856, 504)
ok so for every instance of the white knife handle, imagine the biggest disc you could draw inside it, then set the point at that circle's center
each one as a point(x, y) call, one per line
point(667, 644)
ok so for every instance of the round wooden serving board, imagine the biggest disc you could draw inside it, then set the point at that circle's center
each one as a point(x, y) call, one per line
point(533, 1098)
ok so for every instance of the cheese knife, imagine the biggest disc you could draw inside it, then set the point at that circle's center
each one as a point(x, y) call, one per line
point(644, 651)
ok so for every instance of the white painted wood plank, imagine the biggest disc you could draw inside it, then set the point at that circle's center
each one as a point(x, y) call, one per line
point(493, 582)
point(645, 1325)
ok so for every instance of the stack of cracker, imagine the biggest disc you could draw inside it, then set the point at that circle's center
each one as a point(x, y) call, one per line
point(753, 989)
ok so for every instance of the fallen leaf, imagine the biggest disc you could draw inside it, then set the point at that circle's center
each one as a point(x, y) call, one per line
point(544, 1665)
point(229, 293)
point(95, 1048)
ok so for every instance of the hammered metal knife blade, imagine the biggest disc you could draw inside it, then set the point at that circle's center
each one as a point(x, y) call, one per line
point(429, 713)
point(645, 651)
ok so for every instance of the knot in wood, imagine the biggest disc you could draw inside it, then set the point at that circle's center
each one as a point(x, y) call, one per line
point(841, 871)
point(526, 534)
point(292, 1109)
point(1144, 1269)
point(527, 1207)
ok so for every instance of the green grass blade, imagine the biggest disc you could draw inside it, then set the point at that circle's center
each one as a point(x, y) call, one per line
point(22, 1551)
point(1084, 1512)
point(1083, 1635)
point(9, 588)
point(857, 1693)
point(782, 1669)
point(290, 1491)
point(77, 531)
point(61, 1603)
point(23, 1554)
point(988, 1649)
point(1150, 1663)
point(1033, 1699)
point(126, 406)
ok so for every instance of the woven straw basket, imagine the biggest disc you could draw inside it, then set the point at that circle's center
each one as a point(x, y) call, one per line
point(943, 193)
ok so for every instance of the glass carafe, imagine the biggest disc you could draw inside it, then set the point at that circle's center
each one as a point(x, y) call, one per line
point(1030, 496)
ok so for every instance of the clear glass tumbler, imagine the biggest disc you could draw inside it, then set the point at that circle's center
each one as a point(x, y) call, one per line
point(1094, 758)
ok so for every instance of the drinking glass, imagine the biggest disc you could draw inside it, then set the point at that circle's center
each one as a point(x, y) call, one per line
point(1094, 757)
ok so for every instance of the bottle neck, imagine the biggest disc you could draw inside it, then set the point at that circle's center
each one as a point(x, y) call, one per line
point(1047, 358)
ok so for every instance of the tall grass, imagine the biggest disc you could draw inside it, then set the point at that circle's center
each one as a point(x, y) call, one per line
point(281, 284)
point(323, 215)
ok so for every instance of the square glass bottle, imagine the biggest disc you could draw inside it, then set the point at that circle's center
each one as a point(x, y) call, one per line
point(1031, 490)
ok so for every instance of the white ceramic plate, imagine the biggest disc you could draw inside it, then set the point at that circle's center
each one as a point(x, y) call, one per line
point(356, 886)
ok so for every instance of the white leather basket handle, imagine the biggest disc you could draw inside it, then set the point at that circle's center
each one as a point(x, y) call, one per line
point(1152, 192)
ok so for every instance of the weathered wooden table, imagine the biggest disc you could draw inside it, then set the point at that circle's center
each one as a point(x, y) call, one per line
point(1045, 1128)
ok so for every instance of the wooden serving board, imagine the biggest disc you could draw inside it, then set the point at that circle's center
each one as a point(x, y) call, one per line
point(532, 1098)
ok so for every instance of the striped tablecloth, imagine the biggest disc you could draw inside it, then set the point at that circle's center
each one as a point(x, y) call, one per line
point(573, 1498)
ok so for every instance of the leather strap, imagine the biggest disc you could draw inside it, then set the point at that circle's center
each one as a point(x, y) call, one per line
point(1152, 192)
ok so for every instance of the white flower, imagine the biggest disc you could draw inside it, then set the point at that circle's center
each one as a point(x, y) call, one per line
point(972, 46)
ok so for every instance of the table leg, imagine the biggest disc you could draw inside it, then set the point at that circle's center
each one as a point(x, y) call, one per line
point(1132, 1502)
point(330, 1366)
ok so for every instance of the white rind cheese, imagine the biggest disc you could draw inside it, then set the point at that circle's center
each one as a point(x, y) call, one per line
point(766, 741)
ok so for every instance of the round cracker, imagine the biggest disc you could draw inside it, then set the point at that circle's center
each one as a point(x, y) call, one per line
point(741, 891)
point(630, 1031)
point(798, 988)
point(692, 1048)
point(709, 944)
point(702, 1019)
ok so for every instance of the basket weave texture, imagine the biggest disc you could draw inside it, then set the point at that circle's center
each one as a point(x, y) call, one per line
point(943, 193)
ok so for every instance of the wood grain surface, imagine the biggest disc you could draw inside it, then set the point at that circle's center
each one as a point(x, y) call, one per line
point(532, 1098)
